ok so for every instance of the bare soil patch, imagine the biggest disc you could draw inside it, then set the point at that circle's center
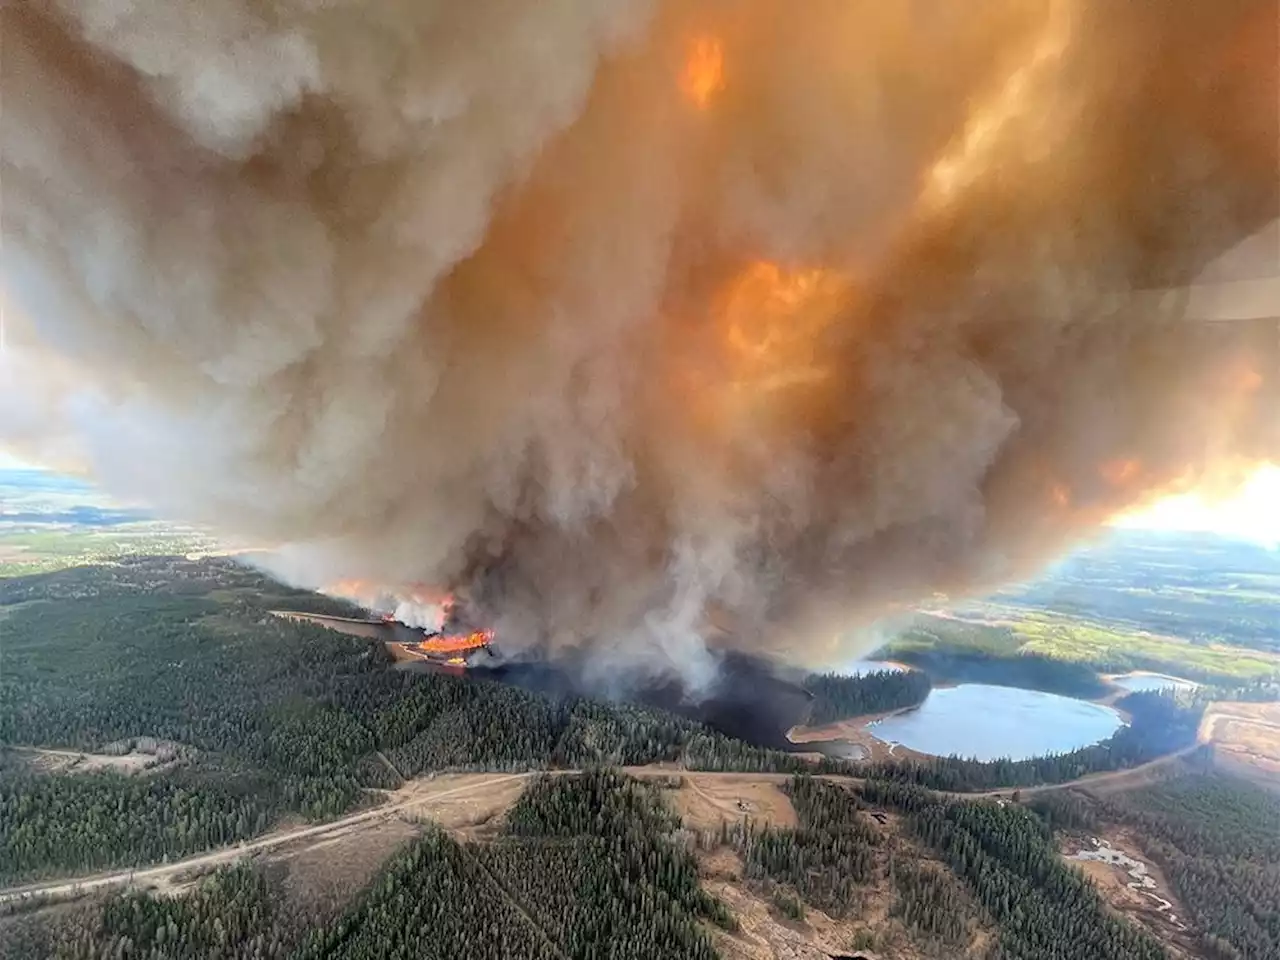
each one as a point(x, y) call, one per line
point(73, 761)
point(764, 934)
point(705, 801)
point(474, 805)
point(1246, 738)
point(328, 873)
point(855, 731)
point(1142, 906)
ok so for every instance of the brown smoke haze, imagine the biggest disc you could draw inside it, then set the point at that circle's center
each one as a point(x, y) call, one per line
point(625, 318)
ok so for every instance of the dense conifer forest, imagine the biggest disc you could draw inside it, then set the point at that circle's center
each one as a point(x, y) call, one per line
point(1218, 841)
point(1029, 670)
point(826, 859)
point(1005, 854)
point(248, 718)
point(589, 866)
point(269, 716)
point(837, 697)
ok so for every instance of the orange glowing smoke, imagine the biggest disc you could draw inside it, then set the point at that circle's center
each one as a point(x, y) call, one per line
point(369, 590)
point(703, 75)
point(364, 592)
point(772, 318)
point(1120, 472)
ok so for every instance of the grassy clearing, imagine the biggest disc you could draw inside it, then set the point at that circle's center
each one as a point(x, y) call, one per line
point(1083, 642)
point(1109, 648)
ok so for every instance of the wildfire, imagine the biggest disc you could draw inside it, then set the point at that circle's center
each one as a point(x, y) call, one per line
point(772, 317)
point(703, 75)
point(441, 644)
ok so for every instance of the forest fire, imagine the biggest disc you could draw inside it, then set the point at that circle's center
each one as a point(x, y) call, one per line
point(870, 319)
point(447, 633)
point(703, 75)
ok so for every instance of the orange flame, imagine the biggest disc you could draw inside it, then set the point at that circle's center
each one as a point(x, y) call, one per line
point(457, 644)
point(703, 75)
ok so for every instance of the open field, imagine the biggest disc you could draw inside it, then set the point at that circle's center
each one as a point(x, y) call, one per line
point(1246, 738)
point(704, 802)
point(27, 549)
point(1140, 599)
point(1003, 631)
point(71, 761)
point(51, 522)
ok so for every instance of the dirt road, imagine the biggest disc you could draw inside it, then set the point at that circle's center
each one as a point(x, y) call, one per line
point(418, 794)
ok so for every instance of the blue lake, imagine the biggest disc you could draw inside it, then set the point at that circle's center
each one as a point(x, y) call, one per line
point(987, 722)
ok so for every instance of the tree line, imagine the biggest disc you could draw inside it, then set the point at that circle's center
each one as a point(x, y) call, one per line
point(838, 697)
point(1005, 855)
point(275, 716)
point(588, 867)
point(1218, 841)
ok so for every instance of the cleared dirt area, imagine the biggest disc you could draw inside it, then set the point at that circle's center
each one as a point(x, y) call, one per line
point(330, 871)
point(705, 801)
point(1246, 737)
point(1152, 906)
point(465, 804)
point(71, 761)
point(764, 933)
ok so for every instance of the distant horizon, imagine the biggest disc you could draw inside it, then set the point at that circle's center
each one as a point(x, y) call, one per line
point(1252, 513)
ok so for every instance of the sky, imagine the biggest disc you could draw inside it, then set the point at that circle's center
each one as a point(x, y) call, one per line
point(1252, 513)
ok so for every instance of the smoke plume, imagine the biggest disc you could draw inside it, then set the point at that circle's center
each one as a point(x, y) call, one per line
point(634, 319)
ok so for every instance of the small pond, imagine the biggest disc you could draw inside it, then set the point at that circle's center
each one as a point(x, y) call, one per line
point(987, 722)
point(1141, 682)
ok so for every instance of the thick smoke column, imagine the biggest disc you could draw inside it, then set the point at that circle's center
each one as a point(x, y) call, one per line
point(626, 318)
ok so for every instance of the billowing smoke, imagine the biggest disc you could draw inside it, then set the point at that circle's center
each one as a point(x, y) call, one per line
point(633, 319)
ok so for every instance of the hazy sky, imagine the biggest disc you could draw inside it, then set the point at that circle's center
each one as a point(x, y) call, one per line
point(1253, 513)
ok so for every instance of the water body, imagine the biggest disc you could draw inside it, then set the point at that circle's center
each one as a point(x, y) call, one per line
point(1142, 682)
point(986, 722)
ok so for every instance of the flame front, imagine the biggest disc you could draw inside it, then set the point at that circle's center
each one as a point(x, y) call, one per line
point(459, 643)
point(703, 75)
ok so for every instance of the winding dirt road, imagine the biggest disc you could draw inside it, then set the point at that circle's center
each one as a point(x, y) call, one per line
point(419, 793)
point(415, 794)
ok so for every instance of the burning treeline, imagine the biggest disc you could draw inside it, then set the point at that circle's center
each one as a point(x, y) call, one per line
point(625, 317)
